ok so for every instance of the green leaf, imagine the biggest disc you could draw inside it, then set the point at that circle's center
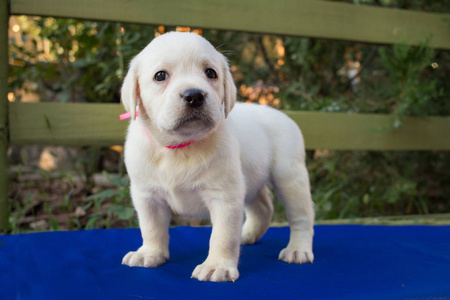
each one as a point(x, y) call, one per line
point(53, 224)
point(64, 97)
point(24, 156)
point(106, 194)
point(122, 212)
point(91, 223)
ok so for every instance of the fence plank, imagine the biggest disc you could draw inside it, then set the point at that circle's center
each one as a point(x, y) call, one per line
point(4, 206)
point(98, 124)
point(312, 18)
point(341, 131)
point(66, 124)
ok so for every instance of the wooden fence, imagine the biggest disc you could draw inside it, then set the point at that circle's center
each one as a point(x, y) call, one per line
point(97, 124)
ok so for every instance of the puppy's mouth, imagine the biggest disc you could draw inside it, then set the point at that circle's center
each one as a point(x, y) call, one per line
point(194, 120)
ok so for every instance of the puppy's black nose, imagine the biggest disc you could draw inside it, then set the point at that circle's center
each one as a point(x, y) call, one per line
point(194, 97)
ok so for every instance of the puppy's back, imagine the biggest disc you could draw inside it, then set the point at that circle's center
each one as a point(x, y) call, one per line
point(258, 124)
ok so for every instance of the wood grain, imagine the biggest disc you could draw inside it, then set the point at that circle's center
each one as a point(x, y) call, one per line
point(4, 206)
point(309, 18)
point(98, 124)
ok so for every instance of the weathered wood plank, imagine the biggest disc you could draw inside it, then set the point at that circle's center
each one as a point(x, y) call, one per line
point(66, 124)
point(311, 18)
point(98, 124)
point(4, 206)
point(341, 131)
point(432, 219)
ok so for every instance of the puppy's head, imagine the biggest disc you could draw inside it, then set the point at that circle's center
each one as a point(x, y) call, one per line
point(182, 86)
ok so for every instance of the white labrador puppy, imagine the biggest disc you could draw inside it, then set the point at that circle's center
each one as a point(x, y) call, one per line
point(189, 152)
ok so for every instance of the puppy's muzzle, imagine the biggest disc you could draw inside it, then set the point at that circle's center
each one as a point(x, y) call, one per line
point(194, 98)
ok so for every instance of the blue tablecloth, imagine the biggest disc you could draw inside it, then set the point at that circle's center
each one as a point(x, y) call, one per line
point(351, 262)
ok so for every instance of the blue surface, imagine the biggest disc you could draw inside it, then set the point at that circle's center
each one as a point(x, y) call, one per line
point(351, 262)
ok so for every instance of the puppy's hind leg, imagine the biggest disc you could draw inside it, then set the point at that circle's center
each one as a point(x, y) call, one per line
point(258, 214)
point(291, 182)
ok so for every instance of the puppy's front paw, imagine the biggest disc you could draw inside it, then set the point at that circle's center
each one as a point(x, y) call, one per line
point(144, 257)
point(215, 272)
point(296, 256)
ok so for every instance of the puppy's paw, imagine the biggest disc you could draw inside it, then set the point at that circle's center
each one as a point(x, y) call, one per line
point(144, 258)
point(248, 238)
point(215, 272)
point(252, 232)
point(296, 256)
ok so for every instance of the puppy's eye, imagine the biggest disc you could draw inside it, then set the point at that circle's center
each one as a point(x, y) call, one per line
point(210, 73)
point(161, 76)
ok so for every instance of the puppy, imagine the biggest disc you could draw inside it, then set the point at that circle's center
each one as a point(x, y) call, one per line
point(193, 150)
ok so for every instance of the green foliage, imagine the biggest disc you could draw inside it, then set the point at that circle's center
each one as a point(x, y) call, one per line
point(120, 205)
point(367, 184)
point(73, 60)
point(40, 210)
point(412, 92)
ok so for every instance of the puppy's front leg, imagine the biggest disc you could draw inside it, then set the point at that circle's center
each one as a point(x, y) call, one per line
point(154, 221)
point(221, 263)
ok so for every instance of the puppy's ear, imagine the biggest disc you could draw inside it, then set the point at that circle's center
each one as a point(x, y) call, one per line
point(229, 88)
point(130, 90)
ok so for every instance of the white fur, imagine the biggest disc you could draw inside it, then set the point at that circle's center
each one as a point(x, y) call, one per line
point(223, 173)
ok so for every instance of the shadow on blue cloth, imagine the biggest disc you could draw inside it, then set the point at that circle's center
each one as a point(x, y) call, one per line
point(351, 262)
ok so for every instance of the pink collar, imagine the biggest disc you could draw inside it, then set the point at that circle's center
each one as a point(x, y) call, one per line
point(128, 115)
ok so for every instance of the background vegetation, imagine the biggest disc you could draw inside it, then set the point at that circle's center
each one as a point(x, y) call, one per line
point(81, 61)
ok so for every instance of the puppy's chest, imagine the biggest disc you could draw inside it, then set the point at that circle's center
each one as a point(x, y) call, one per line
point(182, 200)
point(180, 184)
point(176, 174)
point(186, 202)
